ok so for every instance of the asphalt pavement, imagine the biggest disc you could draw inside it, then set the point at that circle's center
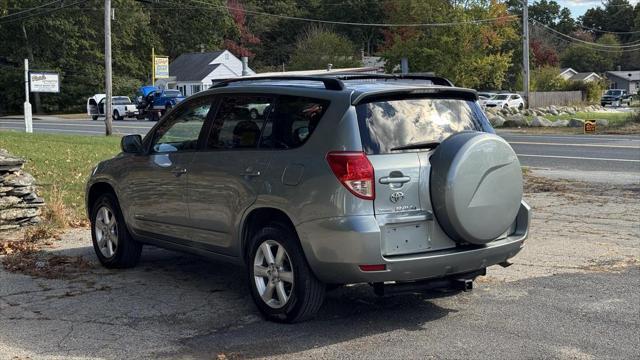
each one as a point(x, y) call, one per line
point(605, 153)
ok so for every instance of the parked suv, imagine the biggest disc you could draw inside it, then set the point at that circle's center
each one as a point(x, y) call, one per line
point(399, 182)
point(615, 97)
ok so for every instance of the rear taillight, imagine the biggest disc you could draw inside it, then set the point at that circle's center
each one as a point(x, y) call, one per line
point(354, 171)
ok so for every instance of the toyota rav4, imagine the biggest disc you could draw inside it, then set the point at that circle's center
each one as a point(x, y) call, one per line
point(395, 181)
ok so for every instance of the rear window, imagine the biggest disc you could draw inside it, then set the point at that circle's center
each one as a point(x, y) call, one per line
point(395, 123)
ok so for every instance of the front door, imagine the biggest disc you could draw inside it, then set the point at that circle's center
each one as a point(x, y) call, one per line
point(157, 182)
point(228, 175)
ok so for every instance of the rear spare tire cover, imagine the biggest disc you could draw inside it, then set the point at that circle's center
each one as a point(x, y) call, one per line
point(476, 186)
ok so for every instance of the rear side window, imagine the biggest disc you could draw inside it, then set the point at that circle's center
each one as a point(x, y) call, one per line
point(292, 122)
point(395, 123)
point(239, 122)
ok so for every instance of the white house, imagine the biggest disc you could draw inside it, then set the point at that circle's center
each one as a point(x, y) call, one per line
point(194, 72)
point(570, 74)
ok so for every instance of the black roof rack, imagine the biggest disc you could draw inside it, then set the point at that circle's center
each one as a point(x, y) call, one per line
point(436, 80)
point(330, 83)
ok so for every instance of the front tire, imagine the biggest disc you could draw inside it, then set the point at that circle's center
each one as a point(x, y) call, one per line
point(94, 117)
point(113, 244)
point(281, 282)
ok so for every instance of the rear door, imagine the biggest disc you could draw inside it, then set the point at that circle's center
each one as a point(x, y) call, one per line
point(399, 136)
point(229, 173)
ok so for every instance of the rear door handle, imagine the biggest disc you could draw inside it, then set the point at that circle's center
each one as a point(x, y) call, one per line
point(249, 172)
point(179, 171)
point(394, 180)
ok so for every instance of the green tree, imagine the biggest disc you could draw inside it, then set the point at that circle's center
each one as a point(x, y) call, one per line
point(471, 55)
point(318, 47)
point(583, 57)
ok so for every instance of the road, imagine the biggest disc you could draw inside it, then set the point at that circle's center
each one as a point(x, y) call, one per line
point(604, 153)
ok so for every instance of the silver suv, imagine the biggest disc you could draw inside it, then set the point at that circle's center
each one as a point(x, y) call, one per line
point(399, 182)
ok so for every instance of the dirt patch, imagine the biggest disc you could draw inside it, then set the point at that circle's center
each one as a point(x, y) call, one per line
point(27, 252)
point(42, 265)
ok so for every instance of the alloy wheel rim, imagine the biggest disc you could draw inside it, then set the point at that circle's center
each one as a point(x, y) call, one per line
point(106, 232)
point(273, 274)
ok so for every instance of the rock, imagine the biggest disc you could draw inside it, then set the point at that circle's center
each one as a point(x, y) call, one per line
point(553, 112)
point(33, 199)
point(560, 123)
point(15, 214)
point(4, 189)
point(539, 121)
point(7, 159)
point(8, 201)
point(496, 120)
point(504, 111)
point(9, 227)
point(575, 122)
point(515, 121)
point(19, 179)
point(602, 122)
point(21, 190)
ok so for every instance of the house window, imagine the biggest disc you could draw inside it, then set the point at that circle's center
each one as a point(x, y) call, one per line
point(226, 56)
point(195, 88)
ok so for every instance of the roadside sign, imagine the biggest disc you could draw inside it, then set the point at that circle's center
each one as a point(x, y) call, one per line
point(161, 67)
point(44, 82)
point(589, 126)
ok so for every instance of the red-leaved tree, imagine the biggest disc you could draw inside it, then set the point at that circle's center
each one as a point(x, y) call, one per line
point(245, 38)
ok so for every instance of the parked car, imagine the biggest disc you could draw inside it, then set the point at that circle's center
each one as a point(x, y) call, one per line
point(505, 101)
point(121, 107)
point(616, 97)
point(402, 185)
point(484, 96)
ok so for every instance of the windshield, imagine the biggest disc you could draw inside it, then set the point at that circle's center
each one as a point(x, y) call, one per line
point(500, 97)
point(385, 125)
point(172, 93)
point(614, 92)
point(121, 100)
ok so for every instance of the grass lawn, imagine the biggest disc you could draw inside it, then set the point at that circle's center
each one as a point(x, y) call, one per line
point(61, 163)
point(613, 117)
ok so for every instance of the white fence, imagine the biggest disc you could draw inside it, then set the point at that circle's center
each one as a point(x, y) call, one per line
point(560, 98)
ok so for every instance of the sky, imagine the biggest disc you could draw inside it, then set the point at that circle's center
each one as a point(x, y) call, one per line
point(578, 7)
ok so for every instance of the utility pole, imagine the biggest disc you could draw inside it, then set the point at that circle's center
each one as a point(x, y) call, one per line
point(108, 111)
point(525, 51)
point(28, 121)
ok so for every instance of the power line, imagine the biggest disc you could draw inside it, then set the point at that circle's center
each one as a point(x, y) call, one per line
point(30, 9)
point(592, 48)
point(609, 32)
point(47, 11)
point(287, 17)
point(583, 41)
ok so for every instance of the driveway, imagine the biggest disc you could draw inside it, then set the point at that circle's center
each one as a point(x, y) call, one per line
point(572, 293)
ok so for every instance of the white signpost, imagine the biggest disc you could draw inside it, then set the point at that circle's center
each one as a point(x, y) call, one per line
point(28, 125)
point(44, 82)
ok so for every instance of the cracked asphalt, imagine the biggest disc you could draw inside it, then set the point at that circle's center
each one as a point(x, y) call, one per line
point(572, 293)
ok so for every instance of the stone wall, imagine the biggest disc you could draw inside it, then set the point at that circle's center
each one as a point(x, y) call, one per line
point(19, 203)
point(513, 117)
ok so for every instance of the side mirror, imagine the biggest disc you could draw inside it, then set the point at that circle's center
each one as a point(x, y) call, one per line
point(131, 144)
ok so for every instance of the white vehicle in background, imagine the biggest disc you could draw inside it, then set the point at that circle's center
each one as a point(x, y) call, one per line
point(504, 101)
point(484, 96)
point(121, 106)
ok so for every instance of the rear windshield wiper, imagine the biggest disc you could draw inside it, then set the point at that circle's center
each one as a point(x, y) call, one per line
point(418, 145)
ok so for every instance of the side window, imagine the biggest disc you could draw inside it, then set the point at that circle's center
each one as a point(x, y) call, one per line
point(292, 122)
point(239, 121)
point(181, 131)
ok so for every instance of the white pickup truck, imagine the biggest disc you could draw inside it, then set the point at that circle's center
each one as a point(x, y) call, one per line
point(121, 106)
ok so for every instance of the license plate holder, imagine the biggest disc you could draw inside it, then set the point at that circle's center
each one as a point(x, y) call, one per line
point(409, 238)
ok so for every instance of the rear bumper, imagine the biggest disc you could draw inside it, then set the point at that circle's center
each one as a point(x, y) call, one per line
point(335, 247)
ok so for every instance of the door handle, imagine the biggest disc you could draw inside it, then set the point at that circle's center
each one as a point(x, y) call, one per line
point(249, 172)
point(394, 180)
point(179, 171)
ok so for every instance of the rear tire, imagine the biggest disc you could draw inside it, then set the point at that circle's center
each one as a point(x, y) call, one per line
point(303, 292)
point(94, 117)
point(112, 242)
